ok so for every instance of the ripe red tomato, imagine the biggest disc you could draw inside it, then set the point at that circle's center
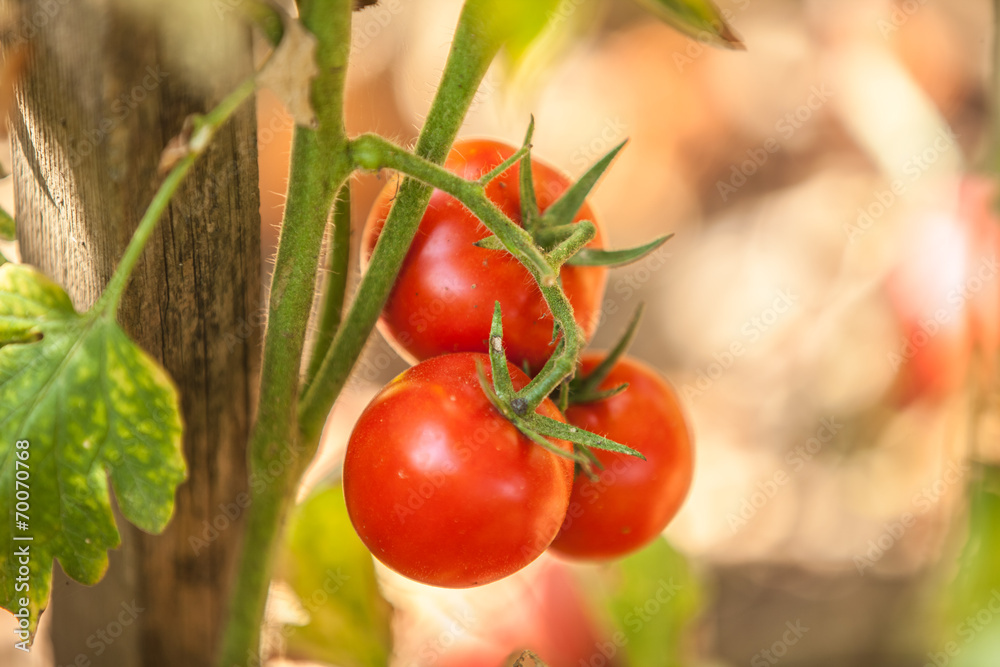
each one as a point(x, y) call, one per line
point(442, 488)
point(443, 297)
point(633, 500)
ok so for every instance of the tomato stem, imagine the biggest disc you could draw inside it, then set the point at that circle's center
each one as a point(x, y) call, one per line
point(374, 152)
point(472, 51)
point(336, 269)
point(320, 166)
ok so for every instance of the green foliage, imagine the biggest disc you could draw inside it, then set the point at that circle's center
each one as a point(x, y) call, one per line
point(333, 575)
point(650, 596)
point(92, 405)
point(972, 630)
point(7, 231)
point(699, 19)
point(516, 24)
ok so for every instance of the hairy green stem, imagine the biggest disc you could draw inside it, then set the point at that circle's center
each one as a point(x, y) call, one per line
point(373, 152)
point(472, 51)
point(337, 264)
point(320, 166)
point(204, 129)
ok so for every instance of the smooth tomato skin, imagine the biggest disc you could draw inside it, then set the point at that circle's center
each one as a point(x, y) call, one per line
point(443, 298)
point(633, 500)
point(442, 488)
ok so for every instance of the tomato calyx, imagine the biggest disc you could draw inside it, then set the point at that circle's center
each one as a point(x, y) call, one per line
point(517, 409)
point(562, 240)
point(583, 388)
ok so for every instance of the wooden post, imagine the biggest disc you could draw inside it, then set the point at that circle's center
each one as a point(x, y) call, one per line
point(107, 84)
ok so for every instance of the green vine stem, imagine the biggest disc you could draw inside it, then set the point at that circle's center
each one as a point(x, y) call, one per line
point(473, 49)
point(203, 130)
point(320, 166)
point(373, 152)
point(337, 265)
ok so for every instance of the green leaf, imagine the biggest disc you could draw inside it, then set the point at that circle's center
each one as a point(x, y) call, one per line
point(699, 19)
point(515, 23)
point(658, 582)
point(595, 257)
point(975, 592)
point(562, 211)
point(7, 228)
point(332, 573)
point(557, 429)
point(92, 406)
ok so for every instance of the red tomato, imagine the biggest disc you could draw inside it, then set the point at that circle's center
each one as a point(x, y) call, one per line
point(633, 500)
point(443, 297)
point(946, 294)
point(442, 488)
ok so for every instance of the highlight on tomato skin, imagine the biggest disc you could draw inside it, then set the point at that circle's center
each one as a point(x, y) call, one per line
point(632, 501)
point(443, 298)
point(442, 488)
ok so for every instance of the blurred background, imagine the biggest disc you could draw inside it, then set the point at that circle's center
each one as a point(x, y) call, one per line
point(828, 311)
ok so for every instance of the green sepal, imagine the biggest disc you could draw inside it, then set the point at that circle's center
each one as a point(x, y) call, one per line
point(564, 209)
point(596, 257)
point(557, 429)
point(583, 389)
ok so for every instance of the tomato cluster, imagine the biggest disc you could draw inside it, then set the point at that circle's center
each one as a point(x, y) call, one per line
point(440, 485)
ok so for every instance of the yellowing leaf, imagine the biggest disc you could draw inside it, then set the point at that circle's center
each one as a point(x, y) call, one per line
point(91, 406)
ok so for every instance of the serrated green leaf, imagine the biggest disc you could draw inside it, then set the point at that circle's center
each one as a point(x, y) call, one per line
point(596, 257)
point(557, 429)
point(699, 19)
point(93, 406)
point(7, 227)
point(332, 573)
point(29, 300)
